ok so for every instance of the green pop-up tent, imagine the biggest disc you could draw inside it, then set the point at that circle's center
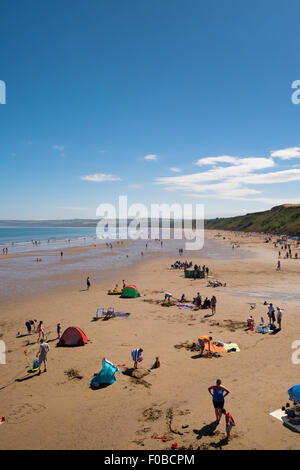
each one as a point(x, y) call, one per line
point(130, 292)
point(190, 273)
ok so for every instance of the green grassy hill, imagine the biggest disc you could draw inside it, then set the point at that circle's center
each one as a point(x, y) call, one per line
point(279, 220)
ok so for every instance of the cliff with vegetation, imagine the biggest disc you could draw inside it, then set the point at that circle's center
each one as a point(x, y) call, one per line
point(283, 219)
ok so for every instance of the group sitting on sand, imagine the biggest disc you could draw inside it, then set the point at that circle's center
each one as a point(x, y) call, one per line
point(181, 265)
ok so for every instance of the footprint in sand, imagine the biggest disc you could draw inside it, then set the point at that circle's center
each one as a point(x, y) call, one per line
point(21, 412)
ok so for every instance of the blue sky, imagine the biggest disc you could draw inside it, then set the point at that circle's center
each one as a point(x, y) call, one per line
point(94, 87)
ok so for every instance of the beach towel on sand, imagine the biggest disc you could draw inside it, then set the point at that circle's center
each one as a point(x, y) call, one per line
point(181, 306)
point(214, 348)
point(227, 347)
point(230, 347)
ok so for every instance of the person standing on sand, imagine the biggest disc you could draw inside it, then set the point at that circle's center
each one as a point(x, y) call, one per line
point(42, 355)
point(279, 317)
point(88, 283)
point(40, 330)
point(271, 314)
point(218, 392)
point(213, 303)
point(58, 329)
point(229, 422)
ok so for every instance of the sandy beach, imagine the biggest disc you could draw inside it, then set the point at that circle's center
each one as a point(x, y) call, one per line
point(52, 411)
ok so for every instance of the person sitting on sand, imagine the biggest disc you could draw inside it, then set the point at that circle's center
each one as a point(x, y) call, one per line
point(206, 303)
point(116, 288)
point(197, 300)
point(202, 341)
point(156, 363)
point(136, 355)
point(183, 299)
point(250, 322)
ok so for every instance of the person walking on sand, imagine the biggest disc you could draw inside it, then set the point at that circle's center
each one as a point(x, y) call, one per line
point(213, 303)
point(42, 355)
point(218, 392)
point(136, 355)
point(58, 329)
point(278, 266)
point(40, 330)
point(88, 283)
point(229, 422)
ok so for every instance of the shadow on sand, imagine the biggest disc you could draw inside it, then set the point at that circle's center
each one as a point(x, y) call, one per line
point(207, 430)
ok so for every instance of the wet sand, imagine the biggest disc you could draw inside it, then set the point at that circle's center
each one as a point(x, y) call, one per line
point(171, 401)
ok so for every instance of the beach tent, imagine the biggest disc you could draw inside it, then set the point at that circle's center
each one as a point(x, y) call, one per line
point(106, 375)
point(189, 273)
point(130, 292)
point(72, 336)
point(294, 393)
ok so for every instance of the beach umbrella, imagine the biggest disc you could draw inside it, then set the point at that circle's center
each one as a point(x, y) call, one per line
point(294, 393)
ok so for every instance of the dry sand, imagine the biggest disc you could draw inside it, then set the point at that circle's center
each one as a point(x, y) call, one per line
point(53, 411)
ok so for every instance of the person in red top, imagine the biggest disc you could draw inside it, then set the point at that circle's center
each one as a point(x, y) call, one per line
point(229, 422)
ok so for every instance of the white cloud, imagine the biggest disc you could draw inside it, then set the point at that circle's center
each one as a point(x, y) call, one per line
point(220, 159)
point(175, 170)
point(150, 157)
point(135, 186)
point(287, 153)
point(100, 177)
point(230, 181)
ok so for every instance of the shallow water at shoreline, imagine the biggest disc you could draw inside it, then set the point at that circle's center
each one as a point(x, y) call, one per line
point(24, 275)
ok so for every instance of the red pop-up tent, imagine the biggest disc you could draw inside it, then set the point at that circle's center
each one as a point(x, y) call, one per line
point(73, 336)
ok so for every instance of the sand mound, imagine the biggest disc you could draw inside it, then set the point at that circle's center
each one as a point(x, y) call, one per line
point(137, 373)
point(194, 347)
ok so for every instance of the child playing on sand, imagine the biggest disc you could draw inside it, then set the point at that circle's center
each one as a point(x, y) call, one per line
point(58, 329)
point(40, 330)
point(156, 363)
point(229, 422)
point(136, 355)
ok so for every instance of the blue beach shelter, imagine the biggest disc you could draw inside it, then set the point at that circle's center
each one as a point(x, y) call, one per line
point(294, 393)
point(106, 376)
